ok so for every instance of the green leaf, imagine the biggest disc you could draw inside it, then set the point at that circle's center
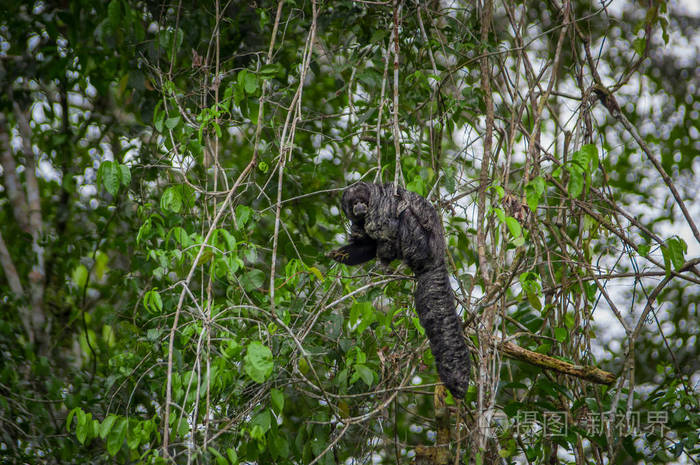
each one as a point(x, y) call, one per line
point(182, 428)
point(362, 313)
point(533, 192)
point(258, 362)
point(560, 334)
point(514, 227)
point(242, 215)
point(82, 429)
point(247, 81)
point(110, 173)
point(677, 248)
point(217, 129)
point(195, 148)
point(500, 214)
point(87, 341)
point(101, 261)
point(277, 399)
point(171, 123)
point(519, 241)
point(591, 290)
point(171, 200)
point(80, 276)
point(69, 418)
point(667, 260)
point(220, 459)
point(575, 187)
point(369, 79)
point(232, 456)
point(534, 300)
point(114, 14)
point(589, 153)
point(152, 301)
point(644, 249)
point(569, 321)
point(408, 162)
point(291, 269)
point(532, 288)
point(178, 37)
point(318, 445)
point(364, 373)
point(252, 280)
point(271, 70)
point(227, 242)
point(234, 264)
point(180, 236)
point(418, 326)
point(262, 420)
point(125, 175)
point(316, 272)
point(144, 230)
point(355, 313)
point(108, 335)
point(545, 349)
point(135, 435)
point(82, 417)
point(499, 190)
point(106, 425)
point(164, 38)
point(449, 180)
point(504, 453)
point(532, 198)
point(378, 36)
point(416, 185)
point(250, 253)
point(281, 446)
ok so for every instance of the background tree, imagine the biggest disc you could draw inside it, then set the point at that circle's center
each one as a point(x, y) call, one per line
point(171, 183)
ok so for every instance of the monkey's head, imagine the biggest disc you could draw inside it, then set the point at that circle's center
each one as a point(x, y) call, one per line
point(356, 202)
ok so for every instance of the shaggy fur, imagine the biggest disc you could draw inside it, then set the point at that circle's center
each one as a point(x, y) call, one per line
point(394, 224)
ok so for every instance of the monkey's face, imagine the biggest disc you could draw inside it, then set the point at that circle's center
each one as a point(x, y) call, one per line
point(356, 202)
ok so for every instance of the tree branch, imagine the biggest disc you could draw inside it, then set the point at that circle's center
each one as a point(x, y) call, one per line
point(36, 227)
point(588, 373)
point(8, 267)
point(667, 179)
point(395, 113)
point(15, 194)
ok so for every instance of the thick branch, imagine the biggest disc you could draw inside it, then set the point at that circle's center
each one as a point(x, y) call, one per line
point(439, 454)
point(8, 267)
point(488, 140)
point(14, 191)
point(487, 376)
point(589, 373)
point(38, 273)
point(33, 197)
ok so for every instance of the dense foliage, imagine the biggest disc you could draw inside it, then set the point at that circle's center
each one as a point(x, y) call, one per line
point(171, 176)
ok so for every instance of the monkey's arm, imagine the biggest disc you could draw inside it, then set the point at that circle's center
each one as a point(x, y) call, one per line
point(360, 250)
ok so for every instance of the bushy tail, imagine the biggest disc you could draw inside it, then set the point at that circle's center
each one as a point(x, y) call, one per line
point(436, 309)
